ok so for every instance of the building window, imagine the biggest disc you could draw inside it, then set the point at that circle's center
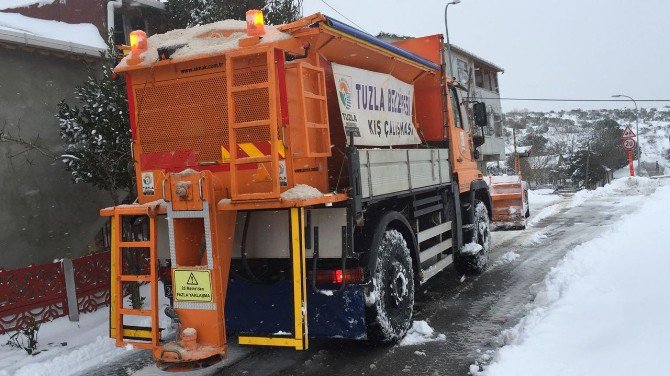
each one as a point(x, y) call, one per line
point(498, 123)
point(463, 76)
point(479, 78)
point(486, 79)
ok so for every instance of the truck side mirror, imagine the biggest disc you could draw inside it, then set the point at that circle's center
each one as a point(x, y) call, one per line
point(479, 110)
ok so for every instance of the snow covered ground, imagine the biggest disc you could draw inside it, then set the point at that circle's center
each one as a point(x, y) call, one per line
point(603, 309)
point(539, 198)
point(66, 348)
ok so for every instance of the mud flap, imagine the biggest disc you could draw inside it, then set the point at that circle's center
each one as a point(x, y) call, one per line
point(263, 309)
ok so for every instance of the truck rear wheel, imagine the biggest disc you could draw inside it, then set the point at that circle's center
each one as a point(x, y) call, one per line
point(467, 261)
point(390, 297)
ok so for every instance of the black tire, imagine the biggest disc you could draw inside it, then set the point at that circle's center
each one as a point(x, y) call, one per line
point(390, 295)
point(475, 263)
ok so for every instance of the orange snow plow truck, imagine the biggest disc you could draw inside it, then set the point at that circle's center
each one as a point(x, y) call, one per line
point(301, 181)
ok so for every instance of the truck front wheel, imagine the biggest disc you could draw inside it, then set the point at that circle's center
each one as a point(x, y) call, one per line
point(474, 256)
point(390, 297)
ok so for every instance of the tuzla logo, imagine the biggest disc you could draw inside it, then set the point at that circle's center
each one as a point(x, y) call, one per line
point(344, 92)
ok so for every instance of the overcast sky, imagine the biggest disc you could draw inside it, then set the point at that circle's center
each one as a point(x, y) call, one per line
point(548, 48)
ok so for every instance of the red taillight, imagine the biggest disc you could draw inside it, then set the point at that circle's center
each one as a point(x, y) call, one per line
point(336, 277)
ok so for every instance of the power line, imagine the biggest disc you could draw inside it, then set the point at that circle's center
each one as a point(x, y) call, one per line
point(572, 100)
point(340, 13)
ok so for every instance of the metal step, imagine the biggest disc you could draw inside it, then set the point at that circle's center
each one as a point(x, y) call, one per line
point(434, 250)
point(433, 231)
point(437, 267)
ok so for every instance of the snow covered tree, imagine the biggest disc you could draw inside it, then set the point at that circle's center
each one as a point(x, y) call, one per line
point(537, 142)
point(280, 12)
point(189, 13)
point(606, 144)
point(96, 132)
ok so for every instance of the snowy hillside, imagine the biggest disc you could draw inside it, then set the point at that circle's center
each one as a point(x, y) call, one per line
point(569, 131)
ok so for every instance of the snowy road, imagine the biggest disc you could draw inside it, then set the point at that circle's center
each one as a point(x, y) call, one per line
point(471, 313)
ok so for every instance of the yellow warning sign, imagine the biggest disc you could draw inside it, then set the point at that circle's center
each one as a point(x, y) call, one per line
point(192, 285)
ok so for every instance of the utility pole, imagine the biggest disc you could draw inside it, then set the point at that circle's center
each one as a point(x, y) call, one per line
point(446, 27)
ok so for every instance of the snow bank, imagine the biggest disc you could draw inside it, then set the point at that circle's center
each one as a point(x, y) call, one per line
point(628, 185)
point(84, 34)
point(64, 347)
point(211, 39)
point(301, 192)
point(12, 4)
point(420, 333)
point(603, 309)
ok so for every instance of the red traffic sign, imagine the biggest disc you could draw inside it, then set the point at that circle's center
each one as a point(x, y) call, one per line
point(629, 144)
point(628, 133)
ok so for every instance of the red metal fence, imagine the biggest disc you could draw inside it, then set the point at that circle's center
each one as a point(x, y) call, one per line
point(37, 292)
point(91, 278)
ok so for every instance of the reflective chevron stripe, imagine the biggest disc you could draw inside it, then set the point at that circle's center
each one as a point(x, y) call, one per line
point(253, 149)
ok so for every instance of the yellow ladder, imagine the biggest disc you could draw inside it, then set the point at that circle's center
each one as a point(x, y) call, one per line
point(137, 336)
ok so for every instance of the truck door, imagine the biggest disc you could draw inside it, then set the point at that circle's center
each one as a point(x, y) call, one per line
point(464, 165)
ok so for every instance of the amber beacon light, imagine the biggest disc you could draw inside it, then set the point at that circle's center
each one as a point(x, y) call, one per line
point(138, 45)
point(255, 23)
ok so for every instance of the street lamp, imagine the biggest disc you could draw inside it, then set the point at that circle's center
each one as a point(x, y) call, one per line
point(446, 26)
point(637, 127)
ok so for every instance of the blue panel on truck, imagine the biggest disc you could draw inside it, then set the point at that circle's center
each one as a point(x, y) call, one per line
point(356, 33)
point(267, 308)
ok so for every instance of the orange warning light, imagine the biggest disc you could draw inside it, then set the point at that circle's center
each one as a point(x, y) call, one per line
point(255, 24)
point(138, 45)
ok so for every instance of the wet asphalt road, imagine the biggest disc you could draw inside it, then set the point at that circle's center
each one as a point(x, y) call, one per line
point(471, 314)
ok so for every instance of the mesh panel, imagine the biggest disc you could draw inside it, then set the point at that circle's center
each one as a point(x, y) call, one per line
point(252, 105)
point(250, 69)
point(184, 115)
point(252, 134)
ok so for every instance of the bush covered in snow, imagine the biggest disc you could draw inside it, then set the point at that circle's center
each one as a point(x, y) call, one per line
point(96, 132)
